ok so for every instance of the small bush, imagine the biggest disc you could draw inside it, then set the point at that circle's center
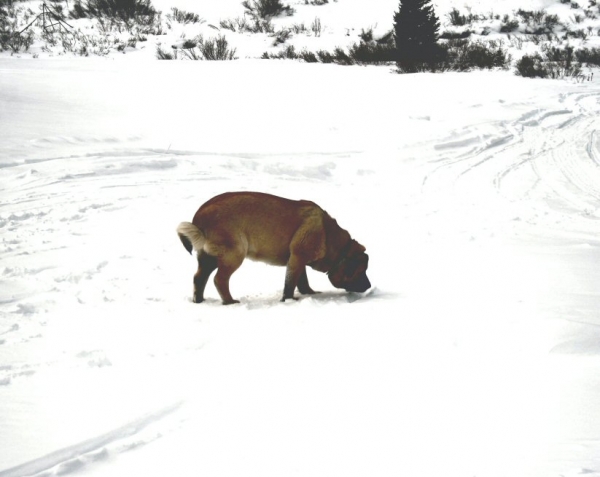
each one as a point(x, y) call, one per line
point(579, 34)
point(288, 53)
point(531, 17)
point(338, 56)
point(554, 62)
point(557, 54)
point(127, 11)
point(213, 49)
point(309, 56)
point(239, 24)
point(266, 9)
point(242, 25)
point(456, 35)
point(531, 66)
point(12, 21)
point(16, 42)
point(558, 70)
point(371, 51)
point(591, 56)
point(456, 18)
point(325, 56)
point(81, 44)
point(281, 36)
point(316, 27)
point(342, 58)
point(366, 35)
point(550, 22)
point(538, 22)
point(183, 17)
point(262, 26)
point(299, 28)
point(78, 11)
point(467, 55)
point(216, 49)
point(508, 26)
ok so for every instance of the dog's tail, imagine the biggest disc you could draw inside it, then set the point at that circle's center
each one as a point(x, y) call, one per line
point(191, 236)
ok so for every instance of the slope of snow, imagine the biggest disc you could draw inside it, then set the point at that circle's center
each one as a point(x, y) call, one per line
point(475, 353)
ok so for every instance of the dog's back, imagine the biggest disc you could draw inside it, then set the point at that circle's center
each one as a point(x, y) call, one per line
point(261, 225)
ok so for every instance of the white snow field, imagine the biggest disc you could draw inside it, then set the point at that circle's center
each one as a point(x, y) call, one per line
point(476, 352)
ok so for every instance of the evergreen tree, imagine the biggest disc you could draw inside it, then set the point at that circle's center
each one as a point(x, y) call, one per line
point(416, 29)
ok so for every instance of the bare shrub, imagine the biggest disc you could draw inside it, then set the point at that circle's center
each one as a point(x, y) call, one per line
point(266, 9)
point(183, 17)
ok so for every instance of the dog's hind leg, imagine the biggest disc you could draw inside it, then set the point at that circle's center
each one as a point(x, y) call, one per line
point(226, 265)
point(206, 265)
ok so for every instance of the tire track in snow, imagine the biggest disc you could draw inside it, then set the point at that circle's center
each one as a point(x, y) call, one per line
point(72, 458)
point(568, 173)
point(592, 148)
point(476, 145)
point(546, 156)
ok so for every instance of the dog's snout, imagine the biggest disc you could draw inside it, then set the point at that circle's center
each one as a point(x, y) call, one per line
point(360, 286)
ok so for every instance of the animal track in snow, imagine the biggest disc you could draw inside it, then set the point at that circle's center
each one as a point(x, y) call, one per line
point(95, 358)
point(8, 373)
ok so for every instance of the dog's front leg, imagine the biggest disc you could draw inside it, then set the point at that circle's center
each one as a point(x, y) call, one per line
point(307, 246)
point(294, 270)
point(303, 286)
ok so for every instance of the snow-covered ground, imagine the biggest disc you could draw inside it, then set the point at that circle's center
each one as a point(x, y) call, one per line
point(476, 352)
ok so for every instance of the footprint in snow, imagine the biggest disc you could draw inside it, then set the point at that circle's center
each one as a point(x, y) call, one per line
point(96, 358)
point(8, 374)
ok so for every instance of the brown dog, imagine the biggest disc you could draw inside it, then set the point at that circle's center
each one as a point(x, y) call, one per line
point(236, 225)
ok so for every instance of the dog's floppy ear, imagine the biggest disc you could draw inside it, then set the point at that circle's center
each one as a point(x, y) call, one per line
point(356, 248)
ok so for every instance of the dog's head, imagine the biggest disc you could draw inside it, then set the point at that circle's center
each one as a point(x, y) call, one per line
point(349, 272)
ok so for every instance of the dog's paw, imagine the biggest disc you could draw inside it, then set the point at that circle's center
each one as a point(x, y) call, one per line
point(289, 298)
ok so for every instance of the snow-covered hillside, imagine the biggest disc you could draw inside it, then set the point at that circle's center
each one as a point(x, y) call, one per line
point(476, 351)
point(314, 26)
